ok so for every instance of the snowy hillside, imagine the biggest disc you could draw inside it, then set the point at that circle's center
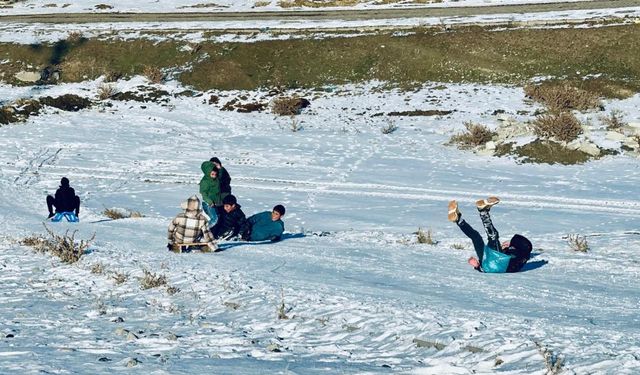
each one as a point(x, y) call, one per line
point(155, 6)
point(360, 295)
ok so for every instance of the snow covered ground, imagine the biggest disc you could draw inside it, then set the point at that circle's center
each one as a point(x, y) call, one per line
point(363, 297)
point(155, 6)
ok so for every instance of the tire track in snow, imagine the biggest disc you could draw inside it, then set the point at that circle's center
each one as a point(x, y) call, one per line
point(338, 187)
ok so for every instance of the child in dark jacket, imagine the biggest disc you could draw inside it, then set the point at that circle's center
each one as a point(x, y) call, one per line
point(264, 225)
point(65, 201)
point(231, 219)
point(493, 257)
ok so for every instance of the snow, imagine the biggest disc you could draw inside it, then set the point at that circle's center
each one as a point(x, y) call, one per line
point(360, 297)
point(155, 6)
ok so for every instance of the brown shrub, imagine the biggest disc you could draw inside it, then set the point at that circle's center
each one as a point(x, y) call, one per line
point(106, 91)
point(562, 97)
point(288, 106)
point(614, 121)
point(63, 246)
point(563, 126)
point(116, 213)
point(151, 280)
point(475, 135)
point(153, 74)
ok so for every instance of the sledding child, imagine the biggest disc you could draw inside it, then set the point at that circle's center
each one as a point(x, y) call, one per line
point(190, 226)
point(264, 226)
point(66, 202)
point(230, 220)
point(492, 256)
point(223, 176)
point(210, 189)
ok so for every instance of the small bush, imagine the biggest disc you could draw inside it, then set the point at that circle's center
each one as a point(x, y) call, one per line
point(97, 269)
point(425, 237)
point(120, 277)
point(282, 311)
point(389, 128)
point(288, 106)
point(74, 36)
point(116, 213)
point(153, 74)
point(295, 124)
point(578, 243)
point(105, 91)
point(614, 121)
point(562, 97)
point(553, 363)
point(172, 290)
point(63, 246)
point(151, 280)
point(563, 126)
point(475, 135)
point(458, 246)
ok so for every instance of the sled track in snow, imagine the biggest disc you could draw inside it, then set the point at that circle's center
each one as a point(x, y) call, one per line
point(411, 193)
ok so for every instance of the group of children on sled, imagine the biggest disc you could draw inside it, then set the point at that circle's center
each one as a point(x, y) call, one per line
point(221, 218)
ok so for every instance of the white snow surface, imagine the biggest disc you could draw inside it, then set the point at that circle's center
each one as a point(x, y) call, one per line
point(157, 6)
point(362, 298)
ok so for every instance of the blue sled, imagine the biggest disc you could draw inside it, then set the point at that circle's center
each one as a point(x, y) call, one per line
point(70, 216)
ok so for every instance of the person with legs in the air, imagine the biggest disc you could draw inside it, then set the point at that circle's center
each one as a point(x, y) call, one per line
point(492, 256)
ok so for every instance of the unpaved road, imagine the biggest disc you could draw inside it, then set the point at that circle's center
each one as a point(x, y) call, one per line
point(311, 15)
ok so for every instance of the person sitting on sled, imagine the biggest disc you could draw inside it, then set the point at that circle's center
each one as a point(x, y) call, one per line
point(190, 227)
point(265, 225)
point(493, 257)
point(66, 202)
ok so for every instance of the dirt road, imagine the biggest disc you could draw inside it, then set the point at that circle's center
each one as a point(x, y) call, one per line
point(315, 15)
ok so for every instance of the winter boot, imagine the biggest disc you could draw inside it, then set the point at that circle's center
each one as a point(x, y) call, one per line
point(454, 213)
point(486, 204)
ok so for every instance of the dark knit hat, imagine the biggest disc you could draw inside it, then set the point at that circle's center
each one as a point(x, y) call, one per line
point(230, 199)
point(215, 160)
point(521, 243)
point(280, 209)
point(64, 182)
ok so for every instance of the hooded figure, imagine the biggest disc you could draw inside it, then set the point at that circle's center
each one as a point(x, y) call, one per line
point(65, 200)
point(190, 226)
point(210, 190)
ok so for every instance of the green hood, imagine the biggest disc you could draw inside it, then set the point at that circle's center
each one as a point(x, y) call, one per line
point(207, 167)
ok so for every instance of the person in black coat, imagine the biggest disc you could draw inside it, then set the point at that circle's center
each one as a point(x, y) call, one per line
point(231, 219)
point(223, 176)
point(65, 199)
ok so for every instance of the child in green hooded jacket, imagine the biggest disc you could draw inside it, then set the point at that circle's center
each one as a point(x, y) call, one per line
point(212, 196)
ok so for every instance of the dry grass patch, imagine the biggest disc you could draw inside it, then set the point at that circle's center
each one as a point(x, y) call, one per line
point(120, 277)
point(614, 121)
point(260, 4)
point(288, 105)
point(559, 97)
point(153, 74)
point(152, 280)
point(63, 246)
point(317, 3)
point(458, 246)
point(562, 126)
point(97, 268)
point(106, 91)
point(475, 135)
point(578, 243)
point(425, 237)
point(117, 213)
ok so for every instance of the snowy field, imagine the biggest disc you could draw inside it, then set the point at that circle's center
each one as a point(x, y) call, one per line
point(363, 297)
point(155, 6)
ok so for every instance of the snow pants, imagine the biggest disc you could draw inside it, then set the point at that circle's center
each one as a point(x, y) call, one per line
point(51, 202)
point(493, 240)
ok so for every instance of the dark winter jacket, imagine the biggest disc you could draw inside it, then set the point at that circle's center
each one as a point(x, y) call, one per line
point(225, 181)
point(229, 224)
point(65, 199)
point(260, 227)
point(210, 187)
